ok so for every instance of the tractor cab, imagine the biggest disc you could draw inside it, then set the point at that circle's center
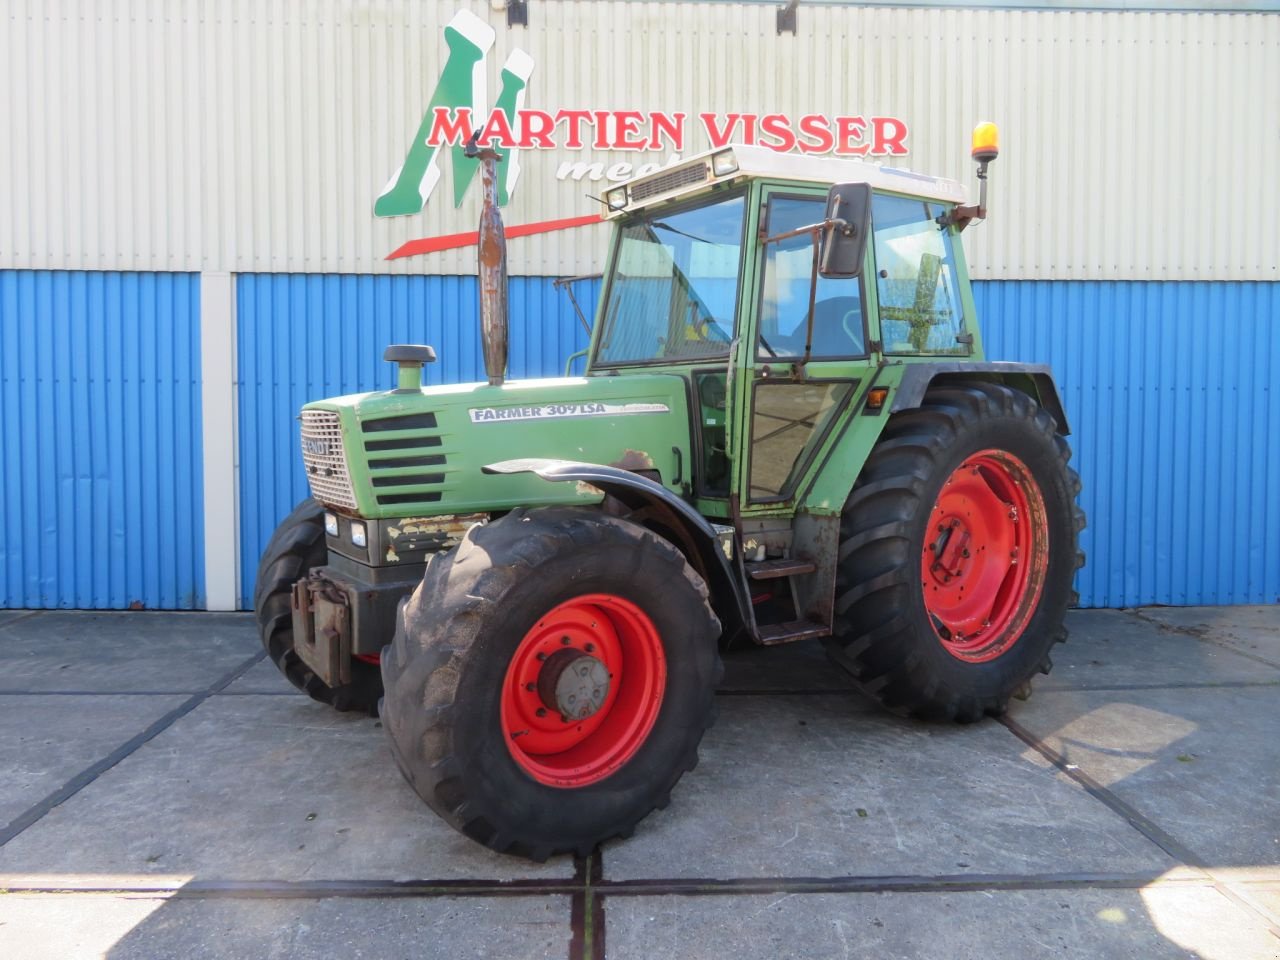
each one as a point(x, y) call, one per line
point(749, 275)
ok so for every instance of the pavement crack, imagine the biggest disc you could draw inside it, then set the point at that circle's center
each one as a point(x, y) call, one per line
point(1144, 825)
point(1140, 822)
point(579, 887)
point(37, 811)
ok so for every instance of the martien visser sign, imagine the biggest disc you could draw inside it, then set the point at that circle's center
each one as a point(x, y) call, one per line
point(458, 109)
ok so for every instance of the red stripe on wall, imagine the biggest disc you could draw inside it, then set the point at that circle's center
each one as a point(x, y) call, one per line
point(454, 240)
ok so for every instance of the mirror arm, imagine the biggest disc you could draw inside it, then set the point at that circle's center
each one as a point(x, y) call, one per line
point(833, 225)
point(813, 297)
point(820, 225)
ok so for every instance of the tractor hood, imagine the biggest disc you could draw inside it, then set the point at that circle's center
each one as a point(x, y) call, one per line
point(419, 452)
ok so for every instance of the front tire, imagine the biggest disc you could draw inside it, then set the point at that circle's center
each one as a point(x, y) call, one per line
point(297, 546)
point(958, 549)
point(550, 680)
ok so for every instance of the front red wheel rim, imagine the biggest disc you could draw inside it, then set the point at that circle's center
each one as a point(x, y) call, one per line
point(985, 556)
point(598, 655)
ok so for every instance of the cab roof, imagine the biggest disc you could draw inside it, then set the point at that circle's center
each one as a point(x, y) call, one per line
point(740, 160)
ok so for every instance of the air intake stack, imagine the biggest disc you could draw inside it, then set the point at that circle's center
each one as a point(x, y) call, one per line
point(492, 267)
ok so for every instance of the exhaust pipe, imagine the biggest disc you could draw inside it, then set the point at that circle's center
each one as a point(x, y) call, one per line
point(492, 267)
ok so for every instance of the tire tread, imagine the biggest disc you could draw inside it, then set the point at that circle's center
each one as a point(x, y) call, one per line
point(872, 636)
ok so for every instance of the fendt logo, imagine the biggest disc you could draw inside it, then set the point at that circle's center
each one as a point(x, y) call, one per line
point(458, 110)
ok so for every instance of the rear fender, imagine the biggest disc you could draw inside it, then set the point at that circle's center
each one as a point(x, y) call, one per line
point(664, 512)
point(1033, 379)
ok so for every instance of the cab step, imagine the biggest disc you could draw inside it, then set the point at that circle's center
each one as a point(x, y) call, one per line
point(775, 633)
point(775, 569)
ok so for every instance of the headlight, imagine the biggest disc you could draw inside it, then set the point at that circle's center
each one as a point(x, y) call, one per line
point(723, 164)
point(616, 198)
point(359, 535)
point(331, 524)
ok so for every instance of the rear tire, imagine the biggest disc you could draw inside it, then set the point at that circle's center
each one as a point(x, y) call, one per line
point(976, 475)
point(468, 672)
point(296, 547)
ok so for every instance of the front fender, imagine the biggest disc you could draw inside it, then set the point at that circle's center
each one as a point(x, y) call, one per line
point(687, 529)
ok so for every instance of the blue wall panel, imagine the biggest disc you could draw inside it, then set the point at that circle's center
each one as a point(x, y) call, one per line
point(306, 336)
point(1172, 396)
point(100, 481)
point(1169, 387)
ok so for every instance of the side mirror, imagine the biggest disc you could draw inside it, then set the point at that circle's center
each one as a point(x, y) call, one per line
point(844, 242)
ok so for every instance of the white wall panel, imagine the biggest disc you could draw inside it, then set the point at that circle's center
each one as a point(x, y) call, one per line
point(254, 135)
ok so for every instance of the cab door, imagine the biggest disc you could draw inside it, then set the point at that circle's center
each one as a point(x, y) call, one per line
point(793, 407)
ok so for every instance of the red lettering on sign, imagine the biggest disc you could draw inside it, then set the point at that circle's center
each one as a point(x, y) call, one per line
point(602, 129)
point(446, 131)
point(817, 127)
point(849, 130)
point(719, 137)
point(776, 125)
point(535, 129)
point(626, 125)
point(670, 125)
point(889, 136)
point(497, 131)
point(573, 126)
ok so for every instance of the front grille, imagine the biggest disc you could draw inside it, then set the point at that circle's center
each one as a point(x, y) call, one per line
point(410, 421)
point(389, 456)
point(684, 176)
point(325, 459)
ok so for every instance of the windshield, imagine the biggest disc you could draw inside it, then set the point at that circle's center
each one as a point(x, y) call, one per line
point(674, 292)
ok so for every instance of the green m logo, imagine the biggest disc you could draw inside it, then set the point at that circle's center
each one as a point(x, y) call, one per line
point(461, 86)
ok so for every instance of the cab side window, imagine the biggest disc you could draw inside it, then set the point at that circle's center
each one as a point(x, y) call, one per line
point(919, 295)
point(784, 300)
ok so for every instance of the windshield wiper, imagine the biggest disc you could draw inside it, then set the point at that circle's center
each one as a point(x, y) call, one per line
point(663, 225)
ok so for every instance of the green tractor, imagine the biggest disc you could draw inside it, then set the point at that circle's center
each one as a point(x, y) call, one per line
point(785, 431)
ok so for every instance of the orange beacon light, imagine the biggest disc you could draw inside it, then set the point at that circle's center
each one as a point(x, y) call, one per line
point(986, 142)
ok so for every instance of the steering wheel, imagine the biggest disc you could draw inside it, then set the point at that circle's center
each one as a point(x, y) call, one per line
point(702, 327)
point(856, 313)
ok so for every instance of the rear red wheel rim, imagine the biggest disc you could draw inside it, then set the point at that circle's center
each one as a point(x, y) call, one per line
point(985, 556)
point(603, 634)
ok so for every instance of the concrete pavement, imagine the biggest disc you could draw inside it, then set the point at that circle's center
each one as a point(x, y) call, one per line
point(168, 795)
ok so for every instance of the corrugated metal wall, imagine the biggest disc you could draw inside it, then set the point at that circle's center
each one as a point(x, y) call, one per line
point(100, 479)
point(253, 137)
point(249, 136)
point(1172, 395)
point(1174, 417)
point(308, 336)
